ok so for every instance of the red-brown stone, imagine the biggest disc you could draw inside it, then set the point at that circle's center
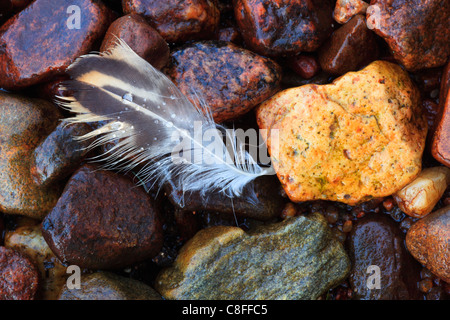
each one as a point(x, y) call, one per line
point(281, 27)
point(178, 20)
point(140, 36)
point(37, 43)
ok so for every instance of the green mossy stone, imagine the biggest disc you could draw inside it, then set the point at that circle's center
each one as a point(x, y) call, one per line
point(295, 259)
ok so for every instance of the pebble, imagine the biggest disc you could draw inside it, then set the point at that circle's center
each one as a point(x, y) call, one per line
point(231, 80)
point(59, 154)
point(103, 221)
point(109, 286)
point(349, 48)
point(24, 122)
point(440, 146)
point(327, 133)
point(428, 240)
point(258, 201)
point(278, 28)
point(29, 241)
point(140, 36)
point(304, 65)
point(294, 259)
point(375, 240)
point(19, 277)
point(189, 20)
point(346, 9)
point(39, 43)
point(416, 31)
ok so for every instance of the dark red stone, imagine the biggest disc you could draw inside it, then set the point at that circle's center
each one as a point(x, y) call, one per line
point(36, 44)
point(349, 48)
point(258, 200)
point(18, 276)
point(230, 79)
point(282, 27)
point(440, 147)
point(415, 30)
point(103, 221)
point(140, 36)
point(376, 240)
point(305, 66)
point(178, 20)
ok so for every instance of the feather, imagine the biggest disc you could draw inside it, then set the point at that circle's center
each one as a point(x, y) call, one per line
point(160, 133)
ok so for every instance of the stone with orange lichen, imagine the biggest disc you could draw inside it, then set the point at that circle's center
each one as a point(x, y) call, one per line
point(178, 20)
point(358, 138)
point(37, 43)
point(24, 122)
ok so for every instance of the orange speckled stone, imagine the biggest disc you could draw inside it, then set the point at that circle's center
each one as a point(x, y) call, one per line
point(37, 43)
point(24, 122)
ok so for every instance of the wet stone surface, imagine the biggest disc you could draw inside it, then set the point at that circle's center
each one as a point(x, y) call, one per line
point(59, 154)
point(376, 241)
point(428, 240)
point(349, 48)
point(277, 28)
point(19, 277)
point(294, 259)
point(24, 122)
point(189, 20)
point(231, 80)
point(103, 221)
point(37, 43)
point(109, 286)
point(140, 36)
point(259, 200)
point(418, 38)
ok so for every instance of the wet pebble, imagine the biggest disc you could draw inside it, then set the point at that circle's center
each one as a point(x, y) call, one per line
point(428, 240)
point(109, 286)
point(349, 48)
point(375, 240)
point(346, 9)
point(294, 259)
point(231, 80)
point(140, 36)
point(304, 65)
point(19, 277)
point(24, 122)
point(440, 146)
point(277, 28)
point(189, 20)
point(103, 221)
point(29, 241)
point(60, 153)
point(39, 43)
point(416, 31)
point(258, 201)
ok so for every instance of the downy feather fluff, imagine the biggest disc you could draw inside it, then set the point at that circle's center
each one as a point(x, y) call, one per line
point(141, 110)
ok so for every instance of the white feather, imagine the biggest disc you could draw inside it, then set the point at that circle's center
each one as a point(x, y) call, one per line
point(144, 111)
